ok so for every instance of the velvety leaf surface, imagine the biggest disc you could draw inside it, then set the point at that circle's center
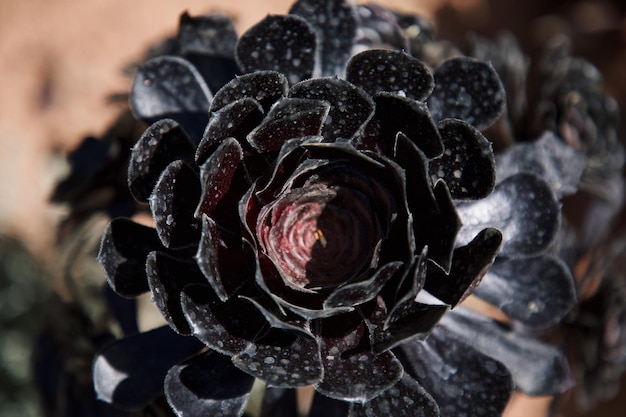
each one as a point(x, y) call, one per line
point(549, 158)
point(279, 43)
point(379, 28)
point(523, 207)
point(170, 86)
point(469, 265)
point(462, 381)
point(350, 107)
point(289, 118)
point(235, 120)
point(537, 368)
point(467, 89)
point(335, 25)
point(123, 251)
point(162, 143)
point(266, 87)
point(167, 276)
point(537, 292)
point(129, 373)
point(207, 385)
point(390, 71)
point(467, 165)
point(227, 327)
point(173, 203)
point(405, 399)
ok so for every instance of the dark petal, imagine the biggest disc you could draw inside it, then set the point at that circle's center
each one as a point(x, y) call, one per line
point(400, 297)
point(395, 114)
point(469, 265)
point(279, 402)
point(406, 398)
point(549, 158)
point(289, 118)
point(123, 251)
point(207, 385)
point(362, 291)
point(537, 368)
point(537, 291)
point(467, 165)
point(467, 89)
point(378, 28)
point(417, 321)
point(162, 143)
point(173, 203)
point(351, 371)
point(223, 259)
point(169, 86)
point(216, 70)
point(227, 327)
point(350, 107)
point(235, 120)
point(324, 406)
point(335, 25)
point(462, 381)
point(167, 277)
point(212, 34)
point(443, 227)
point(266, 87)
point(129, 373)
point(284, 359)
point(396, 72)
point(523, 207)
point(279, 43)
point(216, 175)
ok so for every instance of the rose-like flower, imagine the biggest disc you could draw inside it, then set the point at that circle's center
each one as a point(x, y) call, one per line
point(315, 226)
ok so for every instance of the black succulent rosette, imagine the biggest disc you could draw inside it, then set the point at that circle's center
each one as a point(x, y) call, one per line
point(314, 219)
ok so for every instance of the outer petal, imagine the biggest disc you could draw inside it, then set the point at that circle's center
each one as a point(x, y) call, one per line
point(523, 207)
point(129, 373)
point(467, 89)
point(406, 398)
point(537, 291)
point(123, 251)
point(335, 25)
point(463, 381)
point(207, 385)
point(397, 72)
point(537, 368)
point(169, 86)
point(266, 87)
point(280, 43)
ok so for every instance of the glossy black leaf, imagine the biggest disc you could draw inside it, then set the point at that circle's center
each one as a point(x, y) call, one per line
point(537, 292)
point(167, 276)
point(279, 43)
point(129, 373)
point(289, 118)
point(284, 359)
point(549, 158)
point(227, 327)
point(390, 71)
point(467, 89)
point(467, 165)
point(523, 207)
point(463, 381)
point(266, 87)
point(469, 265)
point(335, 25)
point(207, 385)
point(235, 120)
point(169, 86)
point(162, 143)
point(537, 368)
point(350, 107)
point(173, 203)
point(123, 251)
point(405, 399)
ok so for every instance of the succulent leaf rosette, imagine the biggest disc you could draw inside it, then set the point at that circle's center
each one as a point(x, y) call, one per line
point(315, 217)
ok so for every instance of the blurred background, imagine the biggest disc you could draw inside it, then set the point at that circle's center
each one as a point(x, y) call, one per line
point(61, 65)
